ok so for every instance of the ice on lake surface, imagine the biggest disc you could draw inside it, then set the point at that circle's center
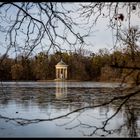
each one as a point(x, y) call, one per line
point(61, 84)
point(45, 100)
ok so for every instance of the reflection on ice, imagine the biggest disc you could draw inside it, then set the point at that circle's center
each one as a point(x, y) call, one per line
point(61, 90)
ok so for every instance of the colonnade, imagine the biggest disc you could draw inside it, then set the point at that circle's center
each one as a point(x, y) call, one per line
point(61, 73)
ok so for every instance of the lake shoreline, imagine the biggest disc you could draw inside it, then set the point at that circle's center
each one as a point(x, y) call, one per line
point(58, 80)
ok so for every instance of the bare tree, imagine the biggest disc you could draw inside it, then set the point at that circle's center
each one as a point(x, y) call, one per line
point(52, 22)
point(117, 13)
point(27, 25)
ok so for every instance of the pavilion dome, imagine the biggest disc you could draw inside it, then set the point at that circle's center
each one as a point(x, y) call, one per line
point(61, 63)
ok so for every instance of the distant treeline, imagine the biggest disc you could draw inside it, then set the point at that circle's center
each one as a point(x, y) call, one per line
point(95, 67)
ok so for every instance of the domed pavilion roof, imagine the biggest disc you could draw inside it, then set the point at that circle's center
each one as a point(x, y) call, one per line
point(61, 63)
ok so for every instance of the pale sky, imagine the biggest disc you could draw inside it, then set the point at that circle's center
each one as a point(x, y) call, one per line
point(100, 38)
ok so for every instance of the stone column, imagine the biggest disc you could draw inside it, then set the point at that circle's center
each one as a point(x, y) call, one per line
point(66, 73)
point(58, 73)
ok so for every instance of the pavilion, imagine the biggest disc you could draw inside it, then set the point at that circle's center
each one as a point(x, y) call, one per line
point(61, 70)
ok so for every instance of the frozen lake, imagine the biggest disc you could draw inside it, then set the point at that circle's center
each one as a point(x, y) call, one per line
point(66, 109)
point(60, 84)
